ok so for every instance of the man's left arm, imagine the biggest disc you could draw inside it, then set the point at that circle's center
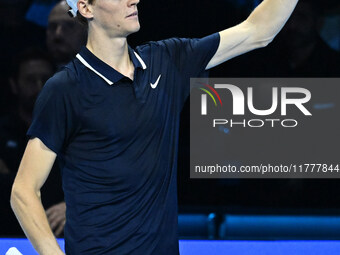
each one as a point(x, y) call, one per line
point(257, 31)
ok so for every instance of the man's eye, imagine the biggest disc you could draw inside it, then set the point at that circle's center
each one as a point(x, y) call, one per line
point(52, 27)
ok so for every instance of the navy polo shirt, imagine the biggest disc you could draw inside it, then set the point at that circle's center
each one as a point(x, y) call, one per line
point(116, 141)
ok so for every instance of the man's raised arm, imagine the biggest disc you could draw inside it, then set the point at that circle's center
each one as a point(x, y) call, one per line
point(257, 31)
point(33, 171)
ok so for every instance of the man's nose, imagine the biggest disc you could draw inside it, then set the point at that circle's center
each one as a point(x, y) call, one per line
point(37, 85)
point(40, 84)
point(59, 30)
point(132, 2)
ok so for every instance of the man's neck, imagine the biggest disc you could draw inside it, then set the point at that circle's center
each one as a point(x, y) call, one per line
point(112, 51)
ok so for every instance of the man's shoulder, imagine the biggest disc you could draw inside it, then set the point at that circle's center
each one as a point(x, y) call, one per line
point(65, 79)
point(160, 49)
point(160, 43)
point(179, 44)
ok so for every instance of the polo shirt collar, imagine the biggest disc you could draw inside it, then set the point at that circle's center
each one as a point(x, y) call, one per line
point(103, 70)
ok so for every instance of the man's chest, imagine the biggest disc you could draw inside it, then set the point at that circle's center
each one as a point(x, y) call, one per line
point(124, 110)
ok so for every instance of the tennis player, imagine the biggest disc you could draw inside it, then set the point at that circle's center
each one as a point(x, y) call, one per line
point(111, 116)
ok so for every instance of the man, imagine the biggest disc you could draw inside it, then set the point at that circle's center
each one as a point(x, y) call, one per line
point(112, 117)
point(65, 35)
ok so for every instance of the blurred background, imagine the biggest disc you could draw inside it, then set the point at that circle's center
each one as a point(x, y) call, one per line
point(38, 37)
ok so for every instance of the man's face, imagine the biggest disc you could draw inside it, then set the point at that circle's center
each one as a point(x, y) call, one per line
point(65, 35)
point(118, 18)
point(32, 76)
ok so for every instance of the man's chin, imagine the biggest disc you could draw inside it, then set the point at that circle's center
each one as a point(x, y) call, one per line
point(132, 31)
point(136, 27)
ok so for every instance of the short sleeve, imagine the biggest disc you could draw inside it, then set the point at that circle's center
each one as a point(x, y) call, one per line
point(188, 59)
point(55, 112)
point(191, 56)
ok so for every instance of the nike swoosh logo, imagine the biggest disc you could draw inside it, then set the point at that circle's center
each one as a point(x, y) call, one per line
point(156, 83)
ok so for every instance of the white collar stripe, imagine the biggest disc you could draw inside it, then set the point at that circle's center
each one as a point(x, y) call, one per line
point(140, 60)
point(92, 69)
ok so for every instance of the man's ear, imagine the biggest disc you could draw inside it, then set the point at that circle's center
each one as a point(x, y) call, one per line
point(85, 9)
point(13, 86)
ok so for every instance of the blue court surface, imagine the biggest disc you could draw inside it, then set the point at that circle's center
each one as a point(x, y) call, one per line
point(220, 247)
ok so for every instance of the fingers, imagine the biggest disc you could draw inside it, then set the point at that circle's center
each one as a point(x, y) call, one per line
point(57, 218)
point(58, 209)
point(56, 221)
point(50, 211)
point(54, 215)
point(60, 229)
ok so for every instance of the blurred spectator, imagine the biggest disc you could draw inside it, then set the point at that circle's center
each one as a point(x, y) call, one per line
point(306, 54)
point(65, 35)
point(31, 69)
point(16, 33)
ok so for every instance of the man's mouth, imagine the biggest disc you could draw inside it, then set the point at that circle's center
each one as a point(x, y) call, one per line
point(132, 14)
